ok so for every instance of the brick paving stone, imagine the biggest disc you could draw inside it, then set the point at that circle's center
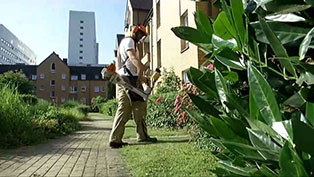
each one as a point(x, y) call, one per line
point(84, 153)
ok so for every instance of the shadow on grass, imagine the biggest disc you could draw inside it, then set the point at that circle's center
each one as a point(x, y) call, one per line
point(135, 143)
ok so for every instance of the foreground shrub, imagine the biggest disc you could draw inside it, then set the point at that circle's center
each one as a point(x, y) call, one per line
point(257, 101)
point(17, 125)
point(25, 124)
point(29, 99)
point(17, 80)
point(109, 108)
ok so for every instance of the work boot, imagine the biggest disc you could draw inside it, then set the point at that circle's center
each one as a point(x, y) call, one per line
point(148, 139)
point(117, 145)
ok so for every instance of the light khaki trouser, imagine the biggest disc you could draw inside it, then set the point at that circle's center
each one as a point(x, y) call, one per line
point(123, 114)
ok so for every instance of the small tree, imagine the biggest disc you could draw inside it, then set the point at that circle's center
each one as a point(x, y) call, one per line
point(170, 82)
point(17, 79)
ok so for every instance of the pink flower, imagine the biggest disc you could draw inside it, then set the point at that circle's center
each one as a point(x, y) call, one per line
point(210, 66)
point(177, 109)
point(158, 100)
point(177, 101)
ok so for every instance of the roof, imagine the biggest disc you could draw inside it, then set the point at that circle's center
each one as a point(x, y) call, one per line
point(142, 4)
point(90, 72)
point(26, 69)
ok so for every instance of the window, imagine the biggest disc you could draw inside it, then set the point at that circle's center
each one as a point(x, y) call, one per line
point(96, 76)
point(73, 89)
point(184, 22)
point(62, 100)
point(64, 76)
point(82, 27)
point(159, 54)
point(81, 45)
point(53, 68)
point(82, 21)
point(74, 78)
point(83, 88)
point(81, 51)
point(83, 76)
point(62, 87)
point(52, 83)
point(42, 76)
point(34, 77)
point(81, 33)
point(103, 89)
point(81, 39)
point(41, 88)
point(52, 94)
point(81, 58)
point(158, 14)
point(96, 89)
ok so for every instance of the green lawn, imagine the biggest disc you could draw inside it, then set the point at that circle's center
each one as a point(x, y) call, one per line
point(168, 157)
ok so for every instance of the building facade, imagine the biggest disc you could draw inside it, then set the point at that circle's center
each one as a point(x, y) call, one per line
point(14, 51)
point(57, 82)
point(83, 48)
point(167, 50)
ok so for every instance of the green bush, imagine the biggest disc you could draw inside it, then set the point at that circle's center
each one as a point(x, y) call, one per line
point(70, 104)
point(25, 124)
point(160, 110)
point(17, 125)
point(109, 108)
point(96, 103)
point(170, 82)
point(17, 80)
point(29, 99)
point(256, 101)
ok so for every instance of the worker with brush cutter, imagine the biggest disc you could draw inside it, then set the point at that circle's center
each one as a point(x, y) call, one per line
point(130, 70)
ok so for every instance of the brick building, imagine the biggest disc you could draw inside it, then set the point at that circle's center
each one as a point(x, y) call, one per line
point(57, 82)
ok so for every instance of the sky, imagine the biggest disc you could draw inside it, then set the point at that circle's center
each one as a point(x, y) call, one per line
point(43, 25)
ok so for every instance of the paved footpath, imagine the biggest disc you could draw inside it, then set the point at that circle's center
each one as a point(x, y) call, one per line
point(84, 153)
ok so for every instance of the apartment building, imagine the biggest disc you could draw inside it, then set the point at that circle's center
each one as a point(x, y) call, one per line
point(57, 82)
point(83, 48)
point(167, 50)
point(13, 50)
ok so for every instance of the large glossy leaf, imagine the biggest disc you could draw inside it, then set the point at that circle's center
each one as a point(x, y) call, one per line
point(225, 132)
point(241, 171)
point(237, 13)
point(263, 96)
point(254, 111)
point(261, 126)
point(310, 112)
point(204, 106)
point(284, 129)
point(284, 32)
point(194, 36)
point(203, 122)
point(220, 43)
point(295, 100)
point(277, 47)
point(223, 28)
point(285, 18)
point(286, 6)
point(306, 77)
point(230, 76)
point(261, 140)
point(290, 163)
point(230, 59)
point(221, 87)
point(208, 79)
point(194, 76)
point(302, 136)
point(266, 171)
point(203, 24)
point(305, 44)
point(244, 150)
